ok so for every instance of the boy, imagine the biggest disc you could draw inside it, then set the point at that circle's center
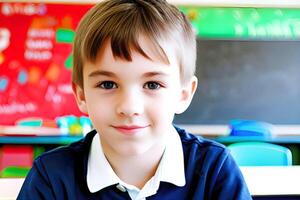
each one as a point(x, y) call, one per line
point(134, 63)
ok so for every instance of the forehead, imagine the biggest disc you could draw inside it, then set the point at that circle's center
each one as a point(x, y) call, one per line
point(162, 52)
point(106, 63)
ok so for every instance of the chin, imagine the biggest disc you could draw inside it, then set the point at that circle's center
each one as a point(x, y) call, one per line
point(132, 150)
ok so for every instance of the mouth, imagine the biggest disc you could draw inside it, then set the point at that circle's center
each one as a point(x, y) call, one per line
point(129, 129)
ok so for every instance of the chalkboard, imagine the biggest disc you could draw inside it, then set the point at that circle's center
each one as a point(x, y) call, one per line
point(257, 80)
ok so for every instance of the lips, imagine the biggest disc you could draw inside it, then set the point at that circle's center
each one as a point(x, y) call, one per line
point(129, 129)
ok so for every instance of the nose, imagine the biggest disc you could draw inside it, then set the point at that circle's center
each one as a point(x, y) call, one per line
point(130, 103)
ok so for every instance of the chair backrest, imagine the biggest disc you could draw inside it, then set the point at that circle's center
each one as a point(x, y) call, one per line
point(260, 154)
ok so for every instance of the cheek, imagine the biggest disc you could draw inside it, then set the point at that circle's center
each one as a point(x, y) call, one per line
point(163, 109)
point(100, 120)
point(169, 101)
point(98, 111)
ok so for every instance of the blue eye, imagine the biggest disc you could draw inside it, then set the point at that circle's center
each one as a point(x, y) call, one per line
point(107, 85)
point(152, 85)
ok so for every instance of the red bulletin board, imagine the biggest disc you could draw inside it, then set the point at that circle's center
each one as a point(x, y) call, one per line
point(35, 59)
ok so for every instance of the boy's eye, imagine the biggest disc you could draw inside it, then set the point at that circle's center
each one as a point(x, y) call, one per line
point(152, 85)
point(108, 85)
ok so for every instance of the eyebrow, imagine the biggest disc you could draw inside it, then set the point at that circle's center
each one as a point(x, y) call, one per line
point(102, 73)
point(156, 73)
point(111, 74)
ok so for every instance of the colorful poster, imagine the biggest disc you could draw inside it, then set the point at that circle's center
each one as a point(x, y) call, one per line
point(36, 61)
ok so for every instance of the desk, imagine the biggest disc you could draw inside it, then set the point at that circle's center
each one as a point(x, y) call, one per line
point(265, 180)
point(260, 180)
point(39, 140)
point(224, 130)
point(10, 187)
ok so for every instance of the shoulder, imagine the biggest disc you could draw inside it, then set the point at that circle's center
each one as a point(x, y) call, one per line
point(201, 154)
point(209, 165)
point(58, 173)
point(191, 142)
point(66, 156)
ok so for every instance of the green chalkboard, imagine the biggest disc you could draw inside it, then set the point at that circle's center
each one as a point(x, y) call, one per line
point(258, 80)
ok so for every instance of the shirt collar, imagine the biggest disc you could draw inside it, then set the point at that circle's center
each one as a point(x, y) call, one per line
point(101, 175)
point(173, 161)
point(99, 172)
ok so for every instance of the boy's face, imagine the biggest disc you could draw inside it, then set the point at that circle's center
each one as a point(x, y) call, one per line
point(132, 104)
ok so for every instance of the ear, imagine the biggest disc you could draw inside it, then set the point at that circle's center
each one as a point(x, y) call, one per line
point(80, 98)
point(187, 92)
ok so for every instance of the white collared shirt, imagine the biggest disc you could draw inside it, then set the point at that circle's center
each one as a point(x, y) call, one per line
point(170, 169)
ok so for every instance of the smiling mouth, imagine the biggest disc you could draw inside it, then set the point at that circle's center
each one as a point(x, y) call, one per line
point(129, 130)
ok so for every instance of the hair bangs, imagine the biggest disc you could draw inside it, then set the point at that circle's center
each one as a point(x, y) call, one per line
point(123, 29)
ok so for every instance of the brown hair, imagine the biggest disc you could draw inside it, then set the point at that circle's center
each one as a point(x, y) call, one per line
point(122, 21)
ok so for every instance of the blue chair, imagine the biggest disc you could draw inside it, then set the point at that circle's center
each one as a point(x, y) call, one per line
point(241, 127)
point(260, 154)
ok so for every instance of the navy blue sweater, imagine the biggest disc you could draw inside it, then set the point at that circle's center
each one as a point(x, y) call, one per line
point(210, 172)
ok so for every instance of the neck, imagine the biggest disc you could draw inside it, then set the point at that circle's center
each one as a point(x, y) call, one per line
point(138, 169)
